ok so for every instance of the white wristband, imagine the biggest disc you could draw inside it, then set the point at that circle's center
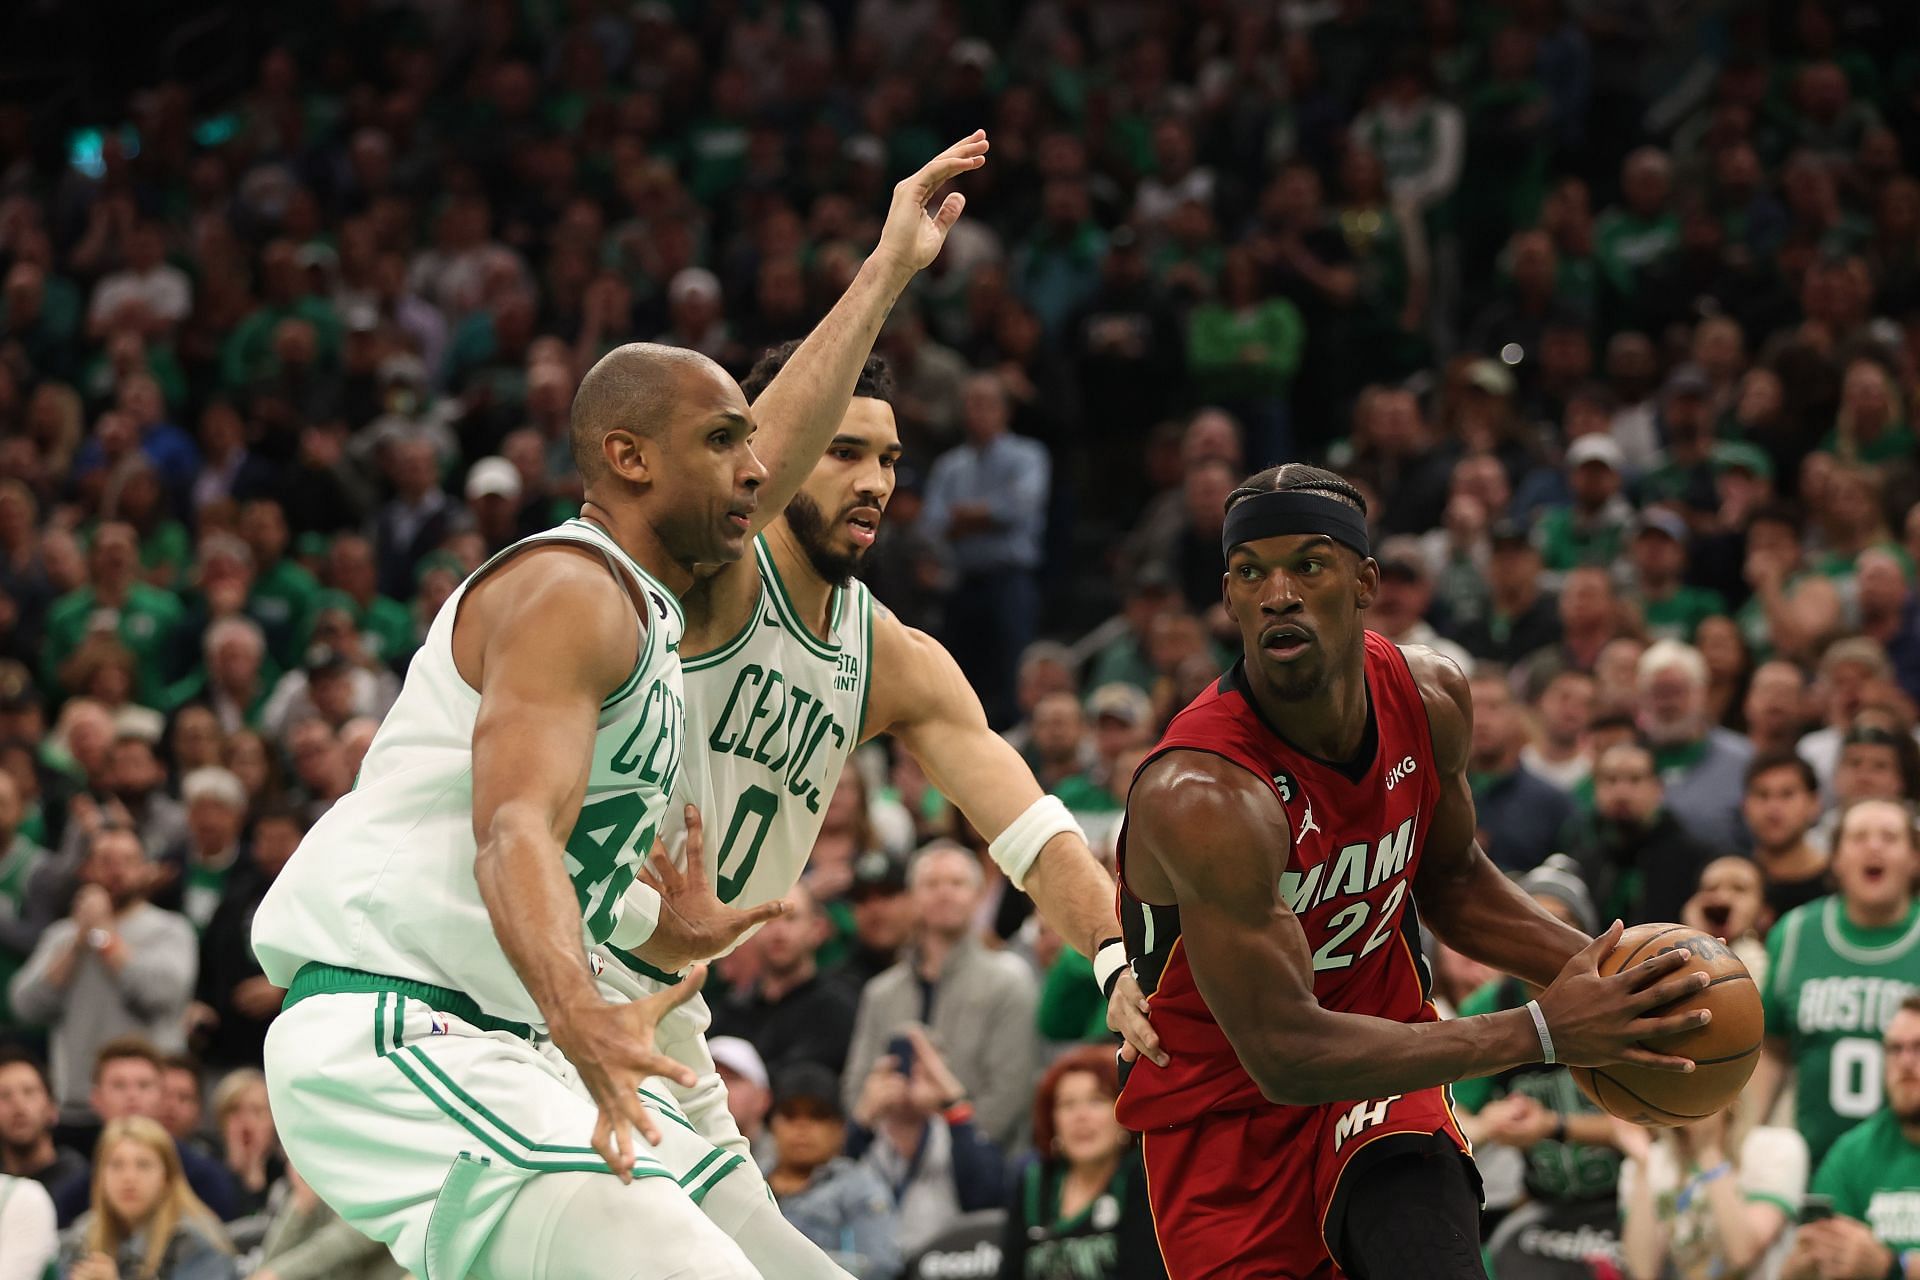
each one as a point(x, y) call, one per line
point(1108, 961)
point(1016, 848)
point(1546, 1036)
point(639, 917)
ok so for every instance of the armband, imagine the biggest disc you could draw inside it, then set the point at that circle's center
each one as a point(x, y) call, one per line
point(1546, 1036)
point(1108, 961)
point(1015, 849)
point(639, 917)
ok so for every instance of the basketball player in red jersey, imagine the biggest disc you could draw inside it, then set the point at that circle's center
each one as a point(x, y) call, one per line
point(1275, 847)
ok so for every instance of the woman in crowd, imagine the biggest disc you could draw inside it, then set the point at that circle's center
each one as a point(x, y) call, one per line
point(145, 1222)
point(1705, 1202)
point(249, 1147)
point(838, 1203)
point(1080, 1211)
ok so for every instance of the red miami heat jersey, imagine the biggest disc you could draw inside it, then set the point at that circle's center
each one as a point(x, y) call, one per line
point(1357, 835)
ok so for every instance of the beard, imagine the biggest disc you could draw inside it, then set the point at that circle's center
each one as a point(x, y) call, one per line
point(809, 528)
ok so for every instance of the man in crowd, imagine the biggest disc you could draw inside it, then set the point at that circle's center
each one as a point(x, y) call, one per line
point(1521, 815)
point(1872, 1179)
point(882, 920)
point(789, 1012)
point(1640, 862)
point(749, 1092)
point(116, 966)
point(27, 1118)
point(1781, 804)
point(1562, 711)
point(979, 1003)
point(1702, 765)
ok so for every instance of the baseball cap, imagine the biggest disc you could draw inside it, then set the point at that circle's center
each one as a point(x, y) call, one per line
point(877, 875)
point(494, 476)
point(322, 659)
point(740, 1057)
point(1597, 448)
point(1122, 702)
point(1738, 455)
point(1660, 520)
point(807, 1086)
point(1559, 878)
point(1491, 377)
point(693, 280)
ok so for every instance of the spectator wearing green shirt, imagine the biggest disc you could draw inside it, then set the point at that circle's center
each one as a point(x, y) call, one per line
point(1643, 228)
point(1593, 528)
point(1682, 473)
point(384, 624)
point(233, 679)
point(1671, 608)
point(247, 355)
point(1244, 349)
point(134, 494)
point(146, 619)
point(283, 595)
point(1871, 1179)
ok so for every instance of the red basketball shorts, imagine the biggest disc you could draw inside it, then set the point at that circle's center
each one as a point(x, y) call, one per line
point(1258, 1195)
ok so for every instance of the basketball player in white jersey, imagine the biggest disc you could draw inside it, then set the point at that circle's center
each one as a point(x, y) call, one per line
point(789, 664)
point(432, 929)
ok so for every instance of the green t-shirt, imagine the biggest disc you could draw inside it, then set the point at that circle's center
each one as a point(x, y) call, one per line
point(1557, 1172)
point(282, 603)
point(1677, 616)
point(1567, 543)
point(1892, 445)
point(1626, 244)
point(1873, 1174)
point(16, 867)
point(1071, 1007)
point(146, 625)
point(1241, 354)
point(1832, 987)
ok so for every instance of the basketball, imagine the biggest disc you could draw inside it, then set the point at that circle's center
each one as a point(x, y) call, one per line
point(1724, 1051)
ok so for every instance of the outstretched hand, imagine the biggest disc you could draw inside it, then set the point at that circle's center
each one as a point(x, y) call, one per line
point(612, 1047)
point(694, 924)
point(913, 233)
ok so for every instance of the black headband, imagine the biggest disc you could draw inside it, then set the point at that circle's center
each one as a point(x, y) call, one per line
point(1293, 511)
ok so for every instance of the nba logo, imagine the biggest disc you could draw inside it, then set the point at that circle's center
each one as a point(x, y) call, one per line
point(595, 963)
point(437, 1025)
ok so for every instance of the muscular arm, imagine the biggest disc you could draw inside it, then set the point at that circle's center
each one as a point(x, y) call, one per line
point(922, 699)
point(540, 693)
point(1213, 834)
point(1466, 900)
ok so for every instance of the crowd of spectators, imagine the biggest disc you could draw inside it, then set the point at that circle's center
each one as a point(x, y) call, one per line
point(1611, 307)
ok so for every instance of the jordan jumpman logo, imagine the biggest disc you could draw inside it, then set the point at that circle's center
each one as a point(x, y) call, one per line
point(1308, 825)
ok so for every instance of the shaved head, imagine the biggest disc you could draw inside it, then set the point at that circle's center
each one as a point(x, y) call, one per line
point(631, 388)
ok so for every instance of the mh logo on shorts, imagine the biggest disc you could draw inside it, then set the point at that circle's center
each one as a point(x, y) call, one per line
point(1363, 1115)
point(1399, 771)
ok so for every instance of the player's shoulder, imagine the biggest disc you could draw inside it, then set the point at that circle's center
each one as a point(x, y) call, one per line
point(1191, 789)
point(1444, 691)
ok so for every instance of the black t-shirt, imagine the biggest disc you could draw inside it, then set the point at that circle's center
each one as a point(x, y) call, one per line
point(1784, 895)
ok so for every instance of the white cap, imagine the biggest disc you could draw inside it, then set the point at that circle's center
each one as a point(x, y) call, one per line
point(739, 1057)
point(691, 280)
point(494, 476)
point(1597, 448)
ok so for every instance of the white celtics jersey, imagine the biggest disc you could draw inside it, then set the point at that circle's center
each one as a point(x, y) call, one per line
point(384, 882)
point(772, 716)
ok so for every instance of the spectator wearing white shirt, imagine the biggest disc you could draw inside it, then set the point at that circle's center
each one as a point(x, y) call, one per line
point(162, 289)
point(29, 1239)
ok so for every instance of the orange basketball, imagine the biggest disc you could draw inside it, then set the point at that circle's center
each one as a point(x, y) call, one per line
point(1725, 1051)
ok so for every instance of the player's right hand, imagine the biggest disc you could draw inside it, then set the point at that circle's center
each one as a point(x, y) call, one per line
point(611, 1046)
point(1596, 1021)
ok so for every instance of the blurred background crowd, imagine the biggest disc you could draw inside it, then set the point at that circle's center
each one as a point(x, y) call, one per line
point(1612, 308)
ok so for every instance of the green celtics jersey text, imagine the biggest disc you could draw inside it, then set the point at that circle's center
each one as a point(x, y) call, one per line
point(772, 716)
point(1832, 987)
point(384, 882)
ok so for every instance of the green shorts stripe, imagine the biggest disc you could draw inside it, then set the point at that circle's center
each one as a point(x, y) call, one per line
point(479, 1108)
point(686, 1179)
point(380, 1025)
point(668, 1109)
point(399, 1016)
point(700, 1193)
point(518, 1161)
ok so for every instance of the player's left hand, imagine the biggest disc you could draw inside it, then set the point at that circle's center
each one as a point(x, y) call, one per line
point(1127, 1016)
point(694, 924)
point(912, 236)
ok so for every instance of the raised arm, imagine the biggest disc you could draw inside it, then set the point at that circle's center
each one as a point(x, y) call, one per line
point(540, 692)
point(800, 409)
point(1218, 837)
point(1466, 900)
point(922, 699)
